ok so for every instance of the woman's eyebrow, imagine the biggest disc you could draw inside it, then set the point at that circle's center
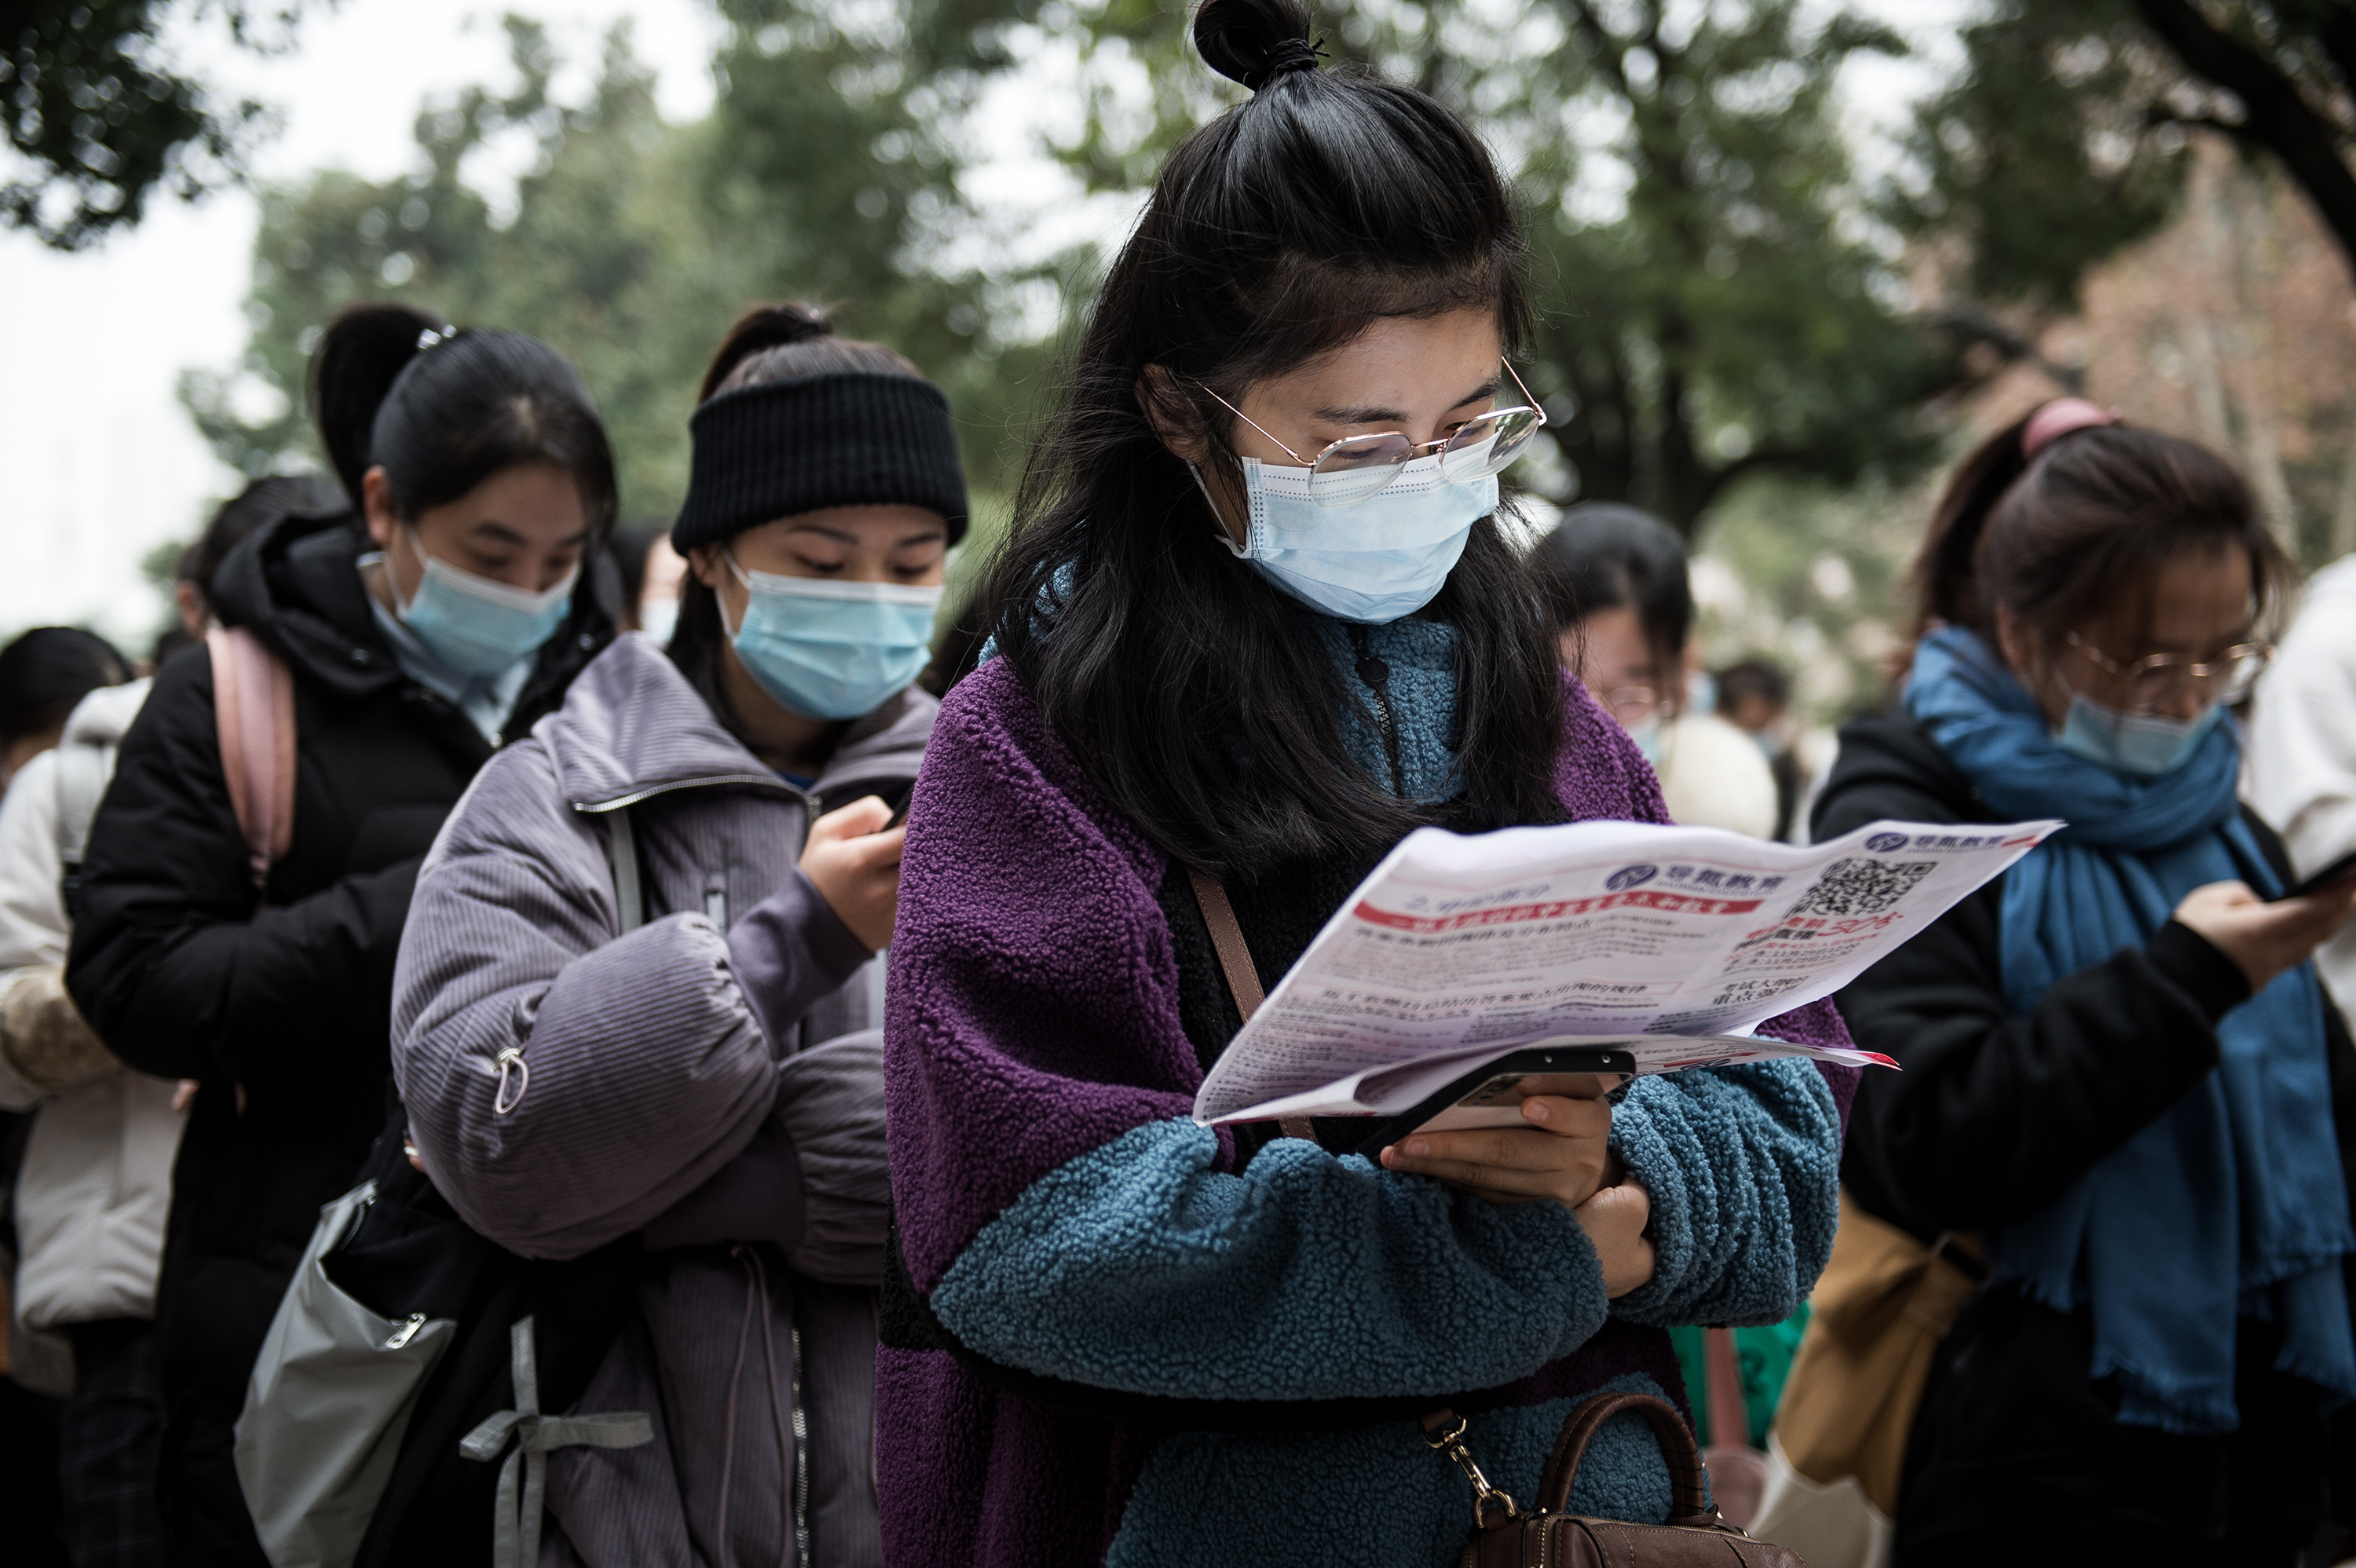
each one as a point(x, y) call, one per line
point(840, 536)
point(1366, 414)
point(490, 530)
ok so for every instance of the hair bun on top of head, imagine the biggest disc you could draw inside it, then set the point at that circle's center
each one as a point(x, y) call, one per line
point(1255, 41)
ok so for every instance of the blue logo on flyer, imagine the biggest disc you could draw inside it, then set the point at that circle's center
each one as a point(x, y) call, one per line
point(1627, 877)
point(1883, 842)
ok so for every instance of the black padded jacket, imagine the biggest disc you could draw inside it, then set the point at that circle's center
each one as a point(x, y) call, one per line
point(1992, 1115)
point(281, 1012)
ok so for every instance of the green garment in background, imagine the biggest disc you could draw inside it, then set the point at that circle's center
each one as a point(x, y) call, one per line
point(1765, 1355)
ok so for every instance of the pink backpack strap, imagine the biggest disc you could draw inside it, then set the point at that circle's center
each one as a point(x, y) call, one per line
point(253, 708)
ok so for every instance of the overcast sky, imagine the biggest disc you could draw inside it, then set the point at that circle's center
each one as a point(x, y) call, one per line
point(102, 460)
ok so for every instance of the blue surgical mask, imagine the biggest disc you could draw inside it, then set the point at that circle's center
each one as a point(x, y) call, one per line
point(1647, 736)
point(2144, 744)
point(832, 650)
point(474, 624)
point(1375, 562)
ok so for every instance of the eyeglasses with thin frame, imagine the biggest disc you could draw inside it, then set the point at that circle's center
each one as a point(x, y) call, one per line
point(1632, 705)
point(1479, 447)
point(2157, 679)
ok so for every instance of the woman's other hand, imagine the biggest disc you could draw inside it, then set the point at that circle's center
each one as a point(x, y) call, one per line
point(1614, 1220)
point(856, 867)
point(1561, 1154)
point(2264, 939)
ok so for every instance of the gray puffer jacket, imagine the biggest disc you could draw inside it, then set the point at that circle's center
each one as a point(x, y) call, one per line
point(712, 1078)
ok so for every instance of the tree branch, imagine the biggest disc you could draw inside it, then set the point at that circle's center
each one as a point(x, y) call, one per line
point(1974, 324)
point(2275, 114)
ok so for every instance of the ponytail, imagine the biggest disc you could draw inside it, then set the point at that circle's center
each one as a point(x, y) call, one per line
point(360, 357)
point(441, 411)
point(783, 342)
point(1944, 571)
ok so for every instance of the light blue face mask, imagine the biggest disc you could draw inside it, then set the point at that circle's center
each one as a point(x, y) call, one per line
point(1375, 561)
point(476, 625)
point(2144, 744)
point(1647, 736)
point(832, 650)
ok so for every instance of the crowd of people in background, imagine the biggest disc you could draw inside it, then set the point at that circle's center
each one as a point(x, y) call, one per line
point(444, 1014)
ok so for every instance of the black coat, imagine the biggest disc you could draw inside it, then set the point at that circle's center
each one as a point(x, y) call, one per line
point(1993, 1116)
point(281, 1013)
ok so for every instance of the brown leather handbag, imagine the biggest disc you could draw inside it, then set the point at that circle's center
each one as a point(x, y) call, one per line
point(1506, 1537)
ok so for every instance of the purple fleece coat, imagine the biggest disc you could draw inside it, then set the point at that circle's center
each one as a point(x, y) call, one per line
point(709, 1079)
point(1039, 1085)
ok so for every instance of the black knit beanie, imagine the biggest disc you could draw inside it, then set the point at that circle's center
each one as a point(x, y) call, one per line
point(844, 438)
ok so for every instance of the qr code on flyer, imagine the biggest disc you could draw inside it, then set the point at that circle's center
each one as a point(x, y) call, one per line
point(1861, 886)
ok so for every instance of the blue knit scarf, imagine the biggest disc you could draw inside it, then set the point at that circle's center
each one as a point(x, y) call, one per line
point(2230, 1205)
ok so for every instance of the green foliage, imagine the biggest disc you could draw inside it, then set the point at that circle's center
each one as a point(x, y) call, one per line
point(610, 254)
point(2046, 154)
point(1811, 578)
point(94, 108)
point(837, 147)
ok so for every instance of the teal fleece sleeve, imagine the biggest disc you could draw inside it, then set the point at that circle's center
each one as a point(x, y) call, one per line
point(1138, 1266)
point(1742, 1165)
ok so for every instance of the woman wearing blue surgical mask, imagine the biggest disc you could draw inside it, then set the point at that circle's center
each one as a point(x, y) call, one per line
point(1256, 621)
point(438, 614)
point(2120, 1071)
point(642, 992)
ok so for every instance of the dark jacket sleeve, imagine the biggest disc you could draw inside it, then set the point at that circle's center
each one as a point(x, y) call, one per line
point(1992, 1113)
point(172, 963)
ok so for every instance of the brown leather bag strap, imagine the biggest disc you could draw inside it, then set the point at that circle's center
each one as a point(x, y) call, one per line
point(1688, 1492)
point(1235, 963)
point(1227, 937)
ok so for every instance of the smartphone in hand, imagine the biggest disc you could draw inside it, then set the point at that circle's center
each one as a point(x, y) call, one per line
point(1479, 1097)
point(2338, 871)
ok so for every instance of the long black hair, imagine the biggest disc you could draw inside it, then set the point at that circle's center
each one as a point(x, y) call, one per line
point(1200, 698)
point(443, 408)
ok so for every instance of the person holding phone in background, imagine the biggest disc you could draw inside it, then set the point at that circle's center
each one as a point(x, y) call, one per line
point(703, 1067)
point(2119, 1068)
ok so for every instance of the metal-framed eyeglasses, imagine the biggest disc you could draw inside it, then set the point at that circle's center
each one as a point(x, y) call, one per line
point(1359, 467)
point(2154, 680)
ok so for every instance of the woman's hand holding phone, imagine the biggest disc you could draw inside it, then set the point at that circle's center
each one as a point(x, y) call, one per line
point(1560, 1153)
point(2263, 938)
point(856, 867)
point(1563, 1154)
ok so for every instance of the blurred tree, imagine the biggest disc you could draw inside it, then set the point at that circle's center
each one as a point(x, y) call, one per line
point(96, 111)
point(828, 170)
point(838, 141)
point(606, 250)
point(2042, 157)
point(2285, 75)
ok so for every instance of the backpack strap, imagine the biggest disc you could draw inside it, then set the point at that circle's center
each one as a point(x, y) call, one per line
point(629, 889)
point(1235, 963)
point(253, 709)
point(81, 774)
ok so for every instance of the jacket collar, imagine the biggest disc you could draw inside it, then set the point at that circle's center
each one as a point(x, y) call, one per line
point(632, 726)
